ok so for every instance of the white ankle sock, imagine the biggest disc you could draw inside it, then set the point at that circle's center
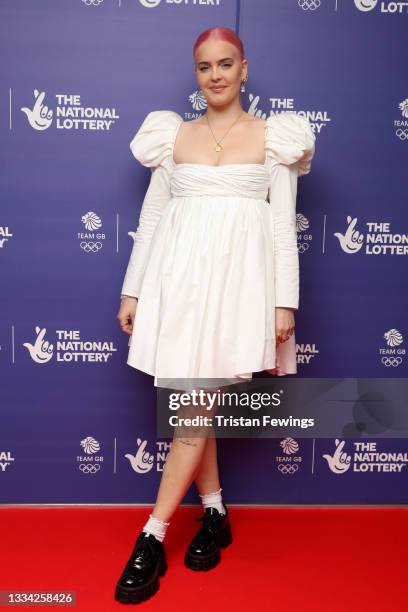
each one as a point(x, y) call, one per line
point(156, 527)
point(213, 500)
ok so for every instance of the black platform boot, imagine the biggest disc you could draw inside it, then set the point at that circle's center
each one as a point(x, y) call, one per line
point(140, 578)
point(203, 552)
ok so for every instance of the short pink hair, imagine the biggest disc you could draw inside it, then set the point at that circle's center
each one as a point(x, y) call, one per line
point(220, 34)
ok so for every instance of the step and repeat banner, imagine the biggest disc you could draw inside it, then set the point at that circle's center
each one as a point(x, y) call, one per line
point(78, 425)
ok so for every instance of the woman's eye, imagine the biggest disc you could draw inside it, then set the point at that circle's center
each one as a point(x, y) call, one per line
point(225, 65)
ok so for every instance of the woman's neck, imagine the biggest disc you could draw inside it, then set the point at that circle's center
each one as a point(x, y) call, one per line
point(223, 116)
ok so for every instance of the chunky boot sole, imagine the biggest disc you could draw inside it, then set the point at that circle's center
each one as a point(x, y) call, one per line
point(135, 595)
point(203, 563)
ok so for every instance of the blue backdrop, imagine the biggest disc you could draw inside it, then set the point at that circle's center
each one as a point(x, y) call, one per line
point(77, 79)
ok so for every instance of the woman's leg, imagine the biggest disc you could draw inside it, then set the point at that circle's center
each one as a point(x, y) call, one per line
point(182, 463)
point(140, 577)
point(207, 477)
point(178, 473)
point(203, 551)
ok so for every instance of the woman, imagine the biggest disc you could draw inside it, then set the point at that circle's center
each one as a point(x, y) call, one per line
point(212, 282)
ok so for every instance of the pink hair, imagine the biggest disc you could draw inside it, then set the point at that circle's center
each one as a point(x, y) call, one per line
point(219, 33)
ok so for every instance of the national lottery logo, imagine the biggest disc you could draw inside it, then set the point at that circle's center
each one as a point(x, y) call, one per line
point(41, 350)
point(340, 461)
point(365, 458)
point(150, 3)
point(154, 3)
point(132, 234)
point(5, 235)
point(69, 114)
point(365, 5)
point(306, 352)
point(69, 347)
point(6, 459)
point(253, 106)
point(352, 240)
point(320, 118)
point(378, 239)
point(39, 116)
point(143, 459)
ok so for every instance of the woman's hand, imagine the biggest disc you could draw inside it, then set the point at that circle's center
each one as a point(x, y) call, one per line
point(126, 314)
point(284, 324)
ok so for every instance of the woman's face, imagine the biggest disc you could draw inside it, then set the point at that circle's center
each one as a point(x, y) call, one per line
point(219, 71)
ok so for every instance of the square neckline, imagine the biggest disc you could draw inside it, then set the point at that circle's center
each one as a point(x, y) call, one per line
point(263, 165)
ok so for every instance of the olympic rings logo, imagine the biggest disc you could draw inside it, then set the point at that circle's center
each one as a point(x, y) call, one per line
point(89, 468)
point(91, 247)
point(286, 468)
point(302, 248)
point(311, 5)
point(402, 134)
point(92, 2)
point(391, 361)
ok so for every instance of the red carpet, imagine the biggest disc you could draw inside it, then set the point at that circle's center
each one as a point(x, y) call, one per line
point(284, 559)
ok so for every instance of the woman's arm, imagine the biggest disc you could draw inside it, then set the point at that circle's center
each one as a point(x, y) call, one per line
point(157, 196)
point(282, 198)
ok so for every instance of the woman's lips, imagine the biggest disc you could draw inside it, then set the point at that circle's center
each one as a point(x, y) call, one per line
point(217, 89)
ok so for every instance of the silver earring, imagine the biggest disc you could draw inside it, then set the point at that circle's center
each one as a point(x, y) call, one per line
point(243, 84)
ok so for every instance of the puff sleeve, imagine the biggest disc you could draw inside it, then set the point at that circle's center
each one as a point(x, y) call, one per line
point(152, 146)
point(290, 147)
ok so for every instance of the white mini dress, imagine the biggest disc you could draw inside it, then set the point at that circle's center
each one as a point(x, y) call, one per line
point(215, 251)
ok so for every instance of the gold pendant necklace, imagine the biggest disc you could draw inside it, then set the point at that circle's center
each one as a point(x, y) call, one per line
point(219, 147)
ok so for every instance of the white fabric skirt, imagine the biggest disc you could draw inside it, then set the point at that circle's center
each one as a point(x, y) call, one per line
point(206, 308)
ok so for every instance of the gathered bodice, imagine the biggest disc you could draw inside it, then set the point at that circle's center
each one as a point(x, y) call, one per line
point(226, 213)
point(238, 180)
